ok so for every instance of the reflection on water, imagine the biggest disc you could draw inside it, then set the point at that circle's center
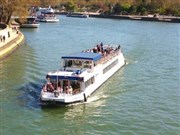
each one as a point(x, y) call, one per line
point(13, 69)
point(20, 76)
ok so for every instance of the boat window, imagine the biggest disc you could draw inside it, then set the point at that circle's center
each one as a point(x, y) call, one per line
point(87, 64)
point(77, 63)
point(89, 81)
point(75, 86)
point(69, 63)
point(110, 66)
point(53, 82)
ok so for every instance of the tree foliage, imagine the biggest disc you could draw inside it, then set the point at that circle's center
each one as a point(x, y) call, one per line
point(168, 7)
point(20, 7)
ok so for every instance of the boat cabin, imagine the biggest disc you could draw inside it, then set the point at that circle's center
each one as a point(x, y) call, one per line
point(74, 77)
point(82, 60)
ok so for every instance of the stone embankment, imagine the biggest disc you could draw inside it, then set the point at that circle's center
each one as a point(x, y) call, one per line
point(10, 39)
point(170, 19)
point(157, 18)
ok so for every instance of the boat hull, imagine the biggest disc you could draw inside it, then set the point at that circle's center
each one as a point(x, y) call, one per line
point(29, 25)
point(100, 79)
point(78, 16)
point(49, 20)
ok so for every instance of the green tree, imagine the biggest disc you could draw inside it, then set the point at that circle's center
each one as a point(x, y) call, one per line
point(13, 7)
point(117, 8)
point(20, 8)
point(70, 6)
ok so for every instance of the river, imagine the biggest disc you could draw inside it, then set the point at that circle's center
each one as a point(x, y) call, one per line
point(143, 98)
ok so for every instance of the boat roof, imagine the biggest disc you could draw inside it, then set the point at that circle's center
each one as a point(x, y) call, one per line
point(84, 55)
point(65, 75)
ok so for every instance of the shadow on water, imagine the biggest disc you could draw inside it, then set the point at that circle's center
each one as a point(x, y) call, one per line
point(30, 97)
point(30, 93)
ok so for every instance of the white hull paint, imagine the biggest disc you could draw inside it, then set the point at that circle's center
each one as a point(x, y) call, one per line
point(100, 79)
point(49, 20)
point(78, 16)
point(29, 25)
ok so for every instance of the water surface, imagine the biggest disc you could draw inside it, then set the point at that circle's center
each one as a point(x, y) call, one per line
point(142, 98)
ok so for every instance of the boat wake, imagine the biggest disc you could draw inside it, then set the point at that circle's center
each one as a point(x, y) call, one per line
point(2, 90)
point(136, 61)
point(95, 98)
point(92, 99)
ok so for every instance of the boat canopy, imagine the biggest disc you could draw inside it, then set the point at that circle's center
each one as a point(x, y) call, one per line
point(84, 56)
point(60, 77)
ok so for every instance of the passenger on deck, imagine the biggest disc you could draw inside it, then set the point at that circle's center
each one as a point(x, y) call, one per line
point(59, 88)
point(50, 87)
point(70, 90)
point(98, 48)
point(44, 88)
point(76, 87)
point(101, 45)
point(94, 50)
point(66, 89)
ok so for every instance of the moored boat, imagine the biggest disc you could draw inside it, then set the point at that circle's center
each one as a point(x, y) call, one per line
point(78, 15)
point(47, 18)
point(81, 74)
point(29, 25)
point(47, 15)
point(31, 22)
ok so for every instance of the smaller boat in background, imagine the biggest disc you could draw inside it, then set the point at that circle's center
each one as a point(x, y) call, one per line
point(48, 10)
point(46, 15)
point(31, 22)
point(79, 15)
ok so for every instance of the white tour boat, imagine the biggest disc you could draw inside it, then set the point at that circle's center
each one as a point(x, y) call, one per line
point(81, 74)
point(47, 15)
point(29, 25)
point(51, 18)
point(31, 22)
point(78, 15)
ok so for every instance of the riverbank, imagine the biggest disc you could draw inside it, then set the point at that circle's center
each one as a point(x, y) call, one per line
point(158, 18)
point(10, 40)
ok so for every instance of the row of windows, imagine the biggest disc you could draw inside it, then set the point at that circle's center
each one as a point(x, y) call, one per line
point(110, 66)
point(89, 82)
point(78, 64)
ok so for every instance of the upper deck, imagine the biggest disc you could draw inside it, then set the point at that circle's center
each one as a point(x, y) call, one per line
point(90, 58)
point(83, 56)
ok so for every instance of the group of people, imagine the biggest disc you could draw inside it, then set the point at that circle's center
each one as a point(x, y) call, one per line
point(107, 51)
point(104, 50)
point(2, 38)
point(56, 87)
point(97, 49)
